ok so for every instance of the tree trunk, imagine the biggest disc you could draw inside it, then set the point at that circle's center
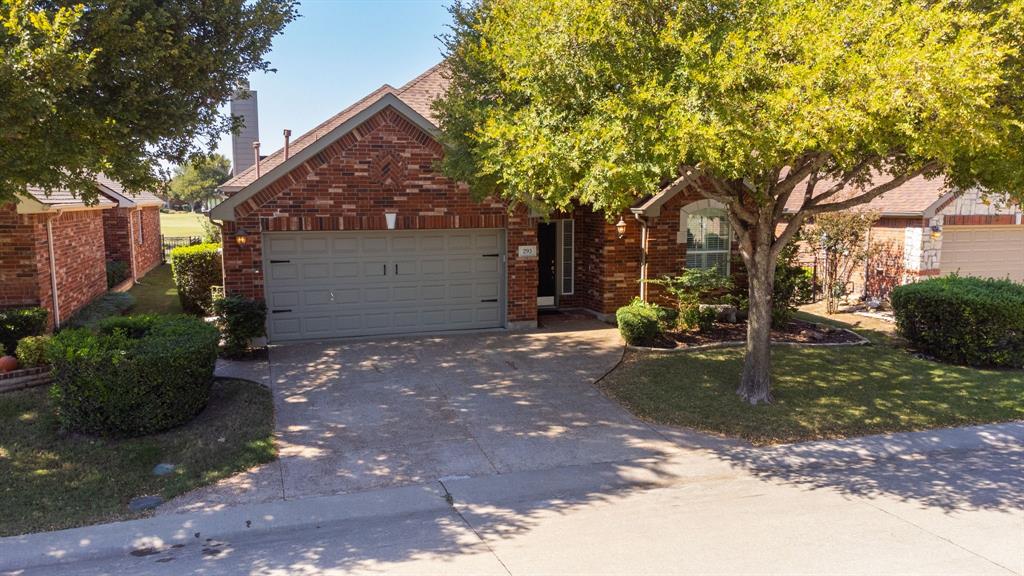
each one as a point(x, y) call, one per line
point(756, 385)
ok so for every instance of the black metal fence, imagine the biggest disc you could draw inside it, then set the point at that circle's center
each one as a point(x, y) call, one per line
point(169, 243)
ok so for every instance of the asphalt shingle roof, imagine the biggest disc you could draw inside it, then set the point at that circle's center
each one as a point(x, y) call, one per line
point(419, 94)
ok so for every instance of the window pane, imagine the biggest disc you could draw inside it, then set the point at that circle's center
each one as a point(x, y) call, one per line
point(708, 240)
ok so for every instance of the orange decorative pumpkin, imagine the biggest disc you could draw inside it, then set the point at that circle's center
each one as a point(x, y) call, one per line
point(8, 363)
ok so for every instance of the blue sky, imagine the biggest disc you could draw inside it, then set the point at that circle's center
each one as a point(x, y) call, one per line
point(337, 52)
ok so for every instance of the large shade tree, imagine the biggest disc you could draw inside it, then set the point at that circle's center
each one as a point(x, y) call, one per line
point(121, 87)
point(198, 180)
point(827, 102)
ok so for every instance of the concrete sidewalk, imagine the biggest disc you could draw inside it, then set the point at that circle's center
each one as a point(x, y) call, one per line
point(951, 505)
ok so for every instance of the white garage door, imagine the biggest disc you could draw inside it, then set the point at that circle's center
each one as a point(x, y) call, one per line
point(983, 251)
point(334, 284)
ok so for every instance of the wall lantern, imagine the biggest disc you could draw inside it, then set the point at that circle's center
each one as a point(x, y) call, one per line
point(620, 227)
point(241, 237)
point(936, 232)
point(390, 218)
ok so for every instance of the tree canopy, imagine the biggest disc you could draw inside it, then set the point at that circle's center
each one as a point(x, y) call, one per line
point(197, 181)
point(121, 87)
point(601, 102)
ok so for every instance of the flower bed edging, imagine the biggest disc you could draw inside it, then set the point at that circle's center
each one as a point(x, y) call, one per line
point(861, 341)
point(25, 378)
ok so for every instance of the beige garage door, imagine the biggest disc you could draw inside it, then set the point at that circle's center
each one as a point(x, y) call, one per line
point(336, 284)
point(983, 251)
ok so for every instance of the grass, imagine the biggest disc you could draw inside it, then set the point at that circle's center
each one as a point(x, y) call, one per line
point(53, 481)
point(155, 293)
point(820, 393)
point(181, 224)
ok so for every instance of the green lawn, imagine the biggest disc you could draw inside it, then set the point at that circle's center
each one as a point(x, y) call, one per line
point(181, 224)
point(53, 481)
point(819, 392)
point(155, 293)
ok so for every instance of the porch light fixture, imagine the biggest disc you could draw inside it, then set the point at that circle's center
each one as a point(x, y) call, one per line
point(620, 227)
point(936, 232)
point(390, 218)
point(241, 237)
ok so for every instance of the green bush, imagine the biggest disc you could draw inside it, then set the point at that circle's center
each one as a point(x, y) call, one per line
point(240, 319)
point(964, 320)
point(32, 351)
point(117, 272)
point(16, 323)
point(133, 375)
point(794, 285)
point(110, 304)
point(196, 270)
point(700, 318)
point(638, 322)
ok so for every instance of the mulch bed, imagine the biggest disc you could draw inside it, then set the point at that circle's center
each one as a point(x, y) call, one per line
point(797, 331)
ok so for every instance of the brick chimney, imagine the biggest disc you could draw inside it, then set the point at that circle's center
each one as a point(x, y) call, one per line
point(243, 104)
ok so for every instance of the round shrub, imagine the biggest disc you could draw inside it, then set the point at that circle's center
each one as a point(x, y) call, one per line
point(16, 323)
point(638, 322)
point(134, 375)
point(196, 270)
point(33, 351)
point(963, 320)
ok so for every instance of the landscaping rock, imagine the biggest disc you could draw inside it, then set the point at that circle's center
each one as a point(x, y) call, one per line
point(163, 469)
point(724, 312)
point(143, 503)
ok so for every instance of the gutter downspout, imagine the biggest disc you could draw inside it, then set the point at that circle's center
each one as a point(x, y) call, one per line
point(131, 243)
point(644, 237)
point(53, 269)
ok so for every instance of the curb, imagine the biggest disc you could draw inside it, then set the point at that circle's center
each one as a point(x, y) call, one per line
point(158, 533)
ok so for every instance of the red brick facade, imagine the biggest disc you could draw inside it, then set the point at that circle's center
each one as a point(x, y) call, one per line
point(121, 228)
point(25, 259)
point(387, 164)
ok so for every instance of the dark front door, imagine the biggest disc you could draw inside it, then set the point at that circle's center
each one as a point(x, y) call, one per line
point(547, 247)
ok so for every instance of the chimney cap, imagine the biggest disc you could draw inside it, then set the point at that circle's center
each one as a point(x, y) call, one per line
point(287, 132)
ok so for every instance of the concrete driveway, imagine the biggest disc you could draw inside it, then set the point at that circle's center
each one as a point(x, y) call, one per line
point(357, 415)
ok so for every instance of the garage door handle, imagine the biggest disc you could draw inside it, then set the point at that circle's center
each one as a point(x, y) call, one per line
point(490, 255)
point(280, 311)
point(490, 300)
point(280, 261)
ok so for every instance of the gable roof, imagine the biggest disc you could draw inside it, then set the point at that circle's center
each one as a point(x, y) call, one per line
point(418, 94)
point(114, 191)
point(226, 209)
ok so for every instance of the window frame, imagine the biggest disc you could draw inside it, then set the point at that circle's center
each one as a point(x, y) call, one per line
point(566, 264)
point(703, 207)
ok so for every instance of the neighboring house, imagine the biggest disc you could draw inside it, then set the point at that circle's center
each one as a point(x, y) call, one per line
point(924, 231)
point(351, 230)
point(52, 253)
point(54, 248)
point(131, 230)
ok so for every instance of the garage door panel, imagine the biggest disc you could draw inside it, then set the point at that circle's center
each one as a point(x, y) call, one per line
point(371, 283)
point(989, 251)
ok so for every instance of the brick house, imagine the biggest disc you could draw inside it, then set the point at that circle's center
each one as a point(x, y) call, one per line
point(39, 230)
point(924, 231)
point(351, 230)
point(52, 253)
point(131, 229)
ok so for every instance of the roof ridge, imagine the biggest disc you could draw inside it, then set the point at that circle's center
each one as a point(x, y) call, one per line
point(428, 72)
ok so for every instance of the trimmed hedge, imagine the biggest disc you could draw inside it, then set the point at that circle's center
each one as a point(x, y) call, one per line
point(638, 322)
point(963, 320)
point(135, 375)
point(17, 323)
point(33, 351)
point(196, 270)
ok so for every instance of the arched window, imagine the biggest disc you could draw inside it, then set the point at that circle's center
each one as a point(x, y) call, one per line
point(704, 227)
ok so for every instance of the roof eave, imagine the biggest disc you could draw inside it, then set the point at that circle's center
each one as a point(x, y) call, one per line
point(225, 211)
